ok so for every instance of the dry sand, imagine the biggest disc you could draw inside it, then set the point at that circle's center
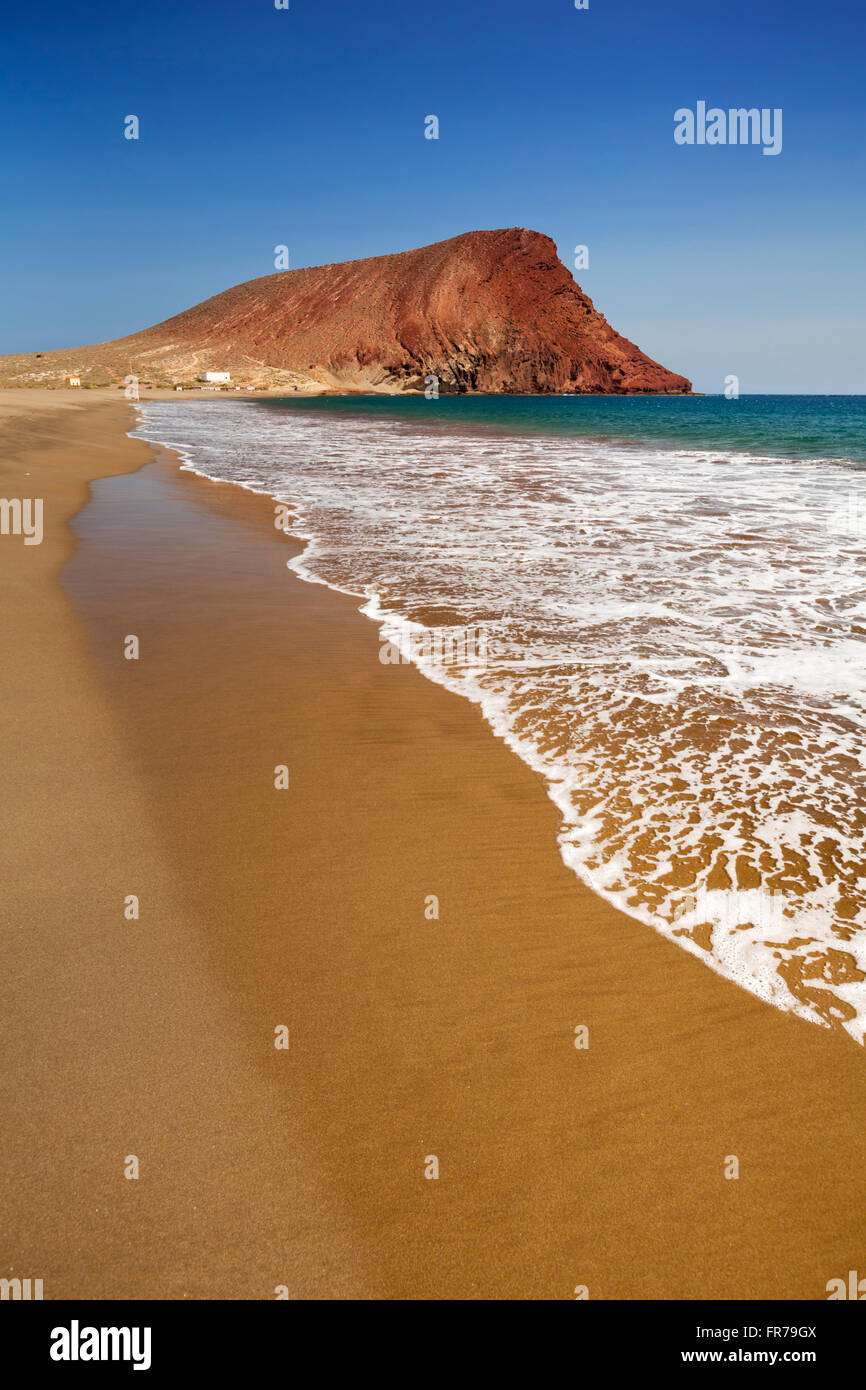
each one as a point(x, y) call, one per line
point(409, 1037)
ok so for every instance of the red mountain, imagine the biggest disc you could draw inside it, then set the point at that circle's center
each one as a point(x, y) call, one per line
point(486, 311)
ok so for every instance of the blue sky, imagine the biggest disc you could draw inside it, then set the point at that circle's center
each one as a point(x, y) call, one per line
point(306, 127)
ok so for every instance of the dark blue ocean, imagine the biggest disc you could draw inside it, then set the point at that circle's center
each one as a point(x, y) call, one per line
point(781, 426)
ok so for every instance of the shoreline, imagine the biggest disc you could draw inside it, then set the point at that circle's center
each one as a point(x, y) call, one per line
point(391, 622)
point(559, 1167)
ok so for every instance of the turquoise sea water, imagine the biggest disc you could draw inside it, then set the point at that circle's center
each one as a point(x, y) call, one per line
point(782, 426)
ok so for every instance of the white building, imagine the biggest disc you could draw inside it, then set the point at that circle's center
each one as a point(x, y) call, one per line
point(215, 376)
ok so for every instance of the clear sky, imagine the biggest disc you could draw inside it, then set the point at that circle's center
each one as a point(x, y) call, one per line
point(305, 127)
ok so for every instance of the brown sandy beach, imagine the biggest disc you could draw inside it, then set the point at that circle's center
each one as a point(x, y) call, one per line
point(409, 1037)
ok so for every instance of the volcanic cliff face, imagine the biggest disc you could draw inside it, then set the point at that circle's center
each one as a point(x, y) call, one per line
point(487, 311)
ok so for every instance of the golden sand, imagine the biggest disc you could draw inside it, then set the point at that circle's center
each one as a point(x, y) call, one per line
point(559, 1167)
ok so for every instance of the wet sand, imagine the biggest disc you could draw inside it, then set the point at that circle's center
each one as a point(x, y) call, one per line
point(409, 1037)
